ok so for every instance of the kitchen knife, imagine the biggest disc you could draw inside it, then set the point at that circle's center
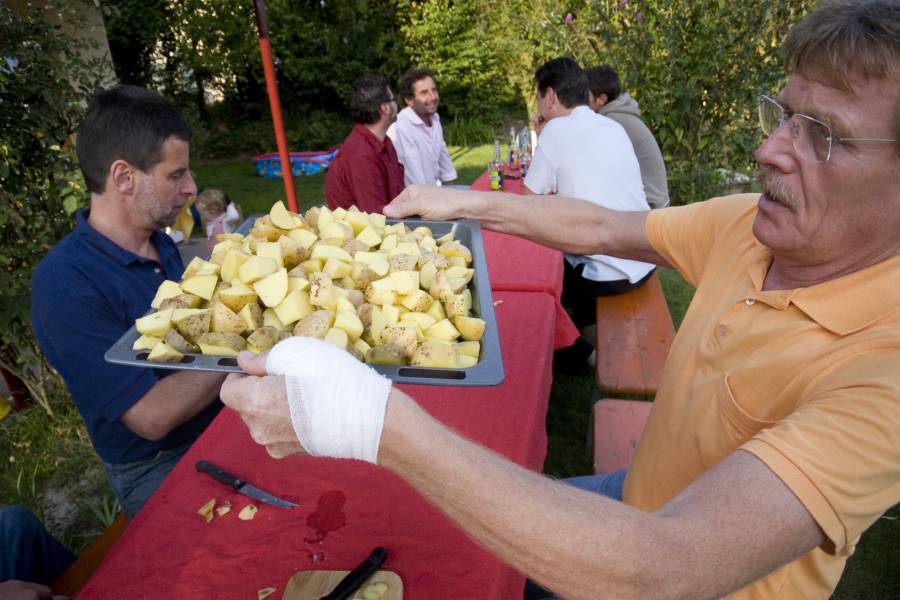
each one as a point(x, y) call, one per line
point(355, 578)
point(241, 486)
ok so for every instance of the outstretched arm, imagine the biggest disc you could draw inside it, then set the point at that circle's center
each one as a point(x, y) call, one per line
point(568, 224)
point(733, 525)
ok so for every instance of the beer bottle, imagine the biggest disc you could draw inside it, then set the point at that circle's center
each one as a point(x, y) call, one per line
point(513, 150)
point(496, 168)
point(525, 152)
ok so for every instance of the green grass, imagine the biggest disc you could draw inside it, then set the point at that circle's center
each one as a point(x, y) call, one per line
point(49, 458)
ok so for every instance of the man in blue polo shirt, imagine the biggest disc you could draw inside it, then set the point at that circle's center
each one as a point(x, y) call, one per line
point(133, 150)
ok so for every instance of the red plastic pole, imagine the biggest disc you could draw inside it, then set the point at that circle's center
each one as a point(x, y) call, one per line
point(275, 103)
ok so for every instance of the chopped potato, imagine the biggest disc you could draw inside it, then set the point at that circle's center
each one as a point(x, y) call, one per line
point(388, 294)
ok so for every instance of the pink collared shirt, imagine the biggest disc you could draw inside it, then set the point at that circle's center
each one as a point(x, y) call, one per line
point(421, 149)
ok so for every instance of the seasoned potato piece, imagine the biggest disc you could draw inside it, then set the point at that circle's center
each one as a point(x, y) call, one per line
point(470, 328)
point(386, 354)
point(177, 341)
point(315, 325)
point(434, 353)
point(194, 325)
point(402, 334)
point(221, 344)
point(353, 246)
point(162, 352)
point(224, 319)
point(402, 262)
point(262, 339)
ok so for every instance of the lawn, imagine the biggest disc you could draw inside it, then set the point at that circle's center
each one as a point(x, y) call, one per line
point(52, 469)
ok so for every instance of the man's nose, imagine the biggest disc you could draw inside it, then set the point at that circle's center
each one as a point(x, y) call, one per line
point(190, 186)
point(777, 149)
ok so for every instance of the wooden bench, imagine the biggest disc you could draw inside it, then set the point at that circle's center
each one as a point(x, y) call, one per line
point(617, 428)
point(74, 578)
point(634, 334)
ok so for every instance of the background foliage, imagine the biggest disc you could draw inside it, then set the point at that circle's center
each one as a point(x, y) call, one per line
point(43, 82)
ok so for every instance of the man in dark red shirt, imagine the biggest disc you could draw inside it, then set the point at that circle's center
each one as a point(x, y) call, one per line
point(367, 172)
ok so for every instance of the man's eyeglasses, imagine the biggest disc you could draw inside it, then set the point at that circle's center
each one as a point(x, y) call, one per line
point(812, 138)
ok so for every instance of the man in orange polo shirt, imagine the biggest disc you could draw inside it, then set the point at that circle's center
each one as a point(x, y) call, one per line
point(367, 172)
point(774, 439)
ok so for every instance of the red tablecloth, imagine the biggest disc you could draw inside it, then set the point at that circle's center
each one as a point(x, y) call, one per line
point(518, 264)
point(169, 551)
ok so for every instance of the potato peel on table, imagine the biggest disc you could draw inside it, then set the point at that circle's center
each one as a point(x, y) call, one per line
point(248, 512)
point(206, 511)
point(264, 593)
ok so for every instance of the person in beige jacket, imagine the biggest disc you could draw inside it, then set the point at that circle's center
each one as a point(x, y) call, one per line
point(608, 99)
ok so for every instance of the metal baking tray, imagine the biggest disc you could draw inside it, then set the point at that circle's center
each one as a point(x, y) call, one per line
point(488, 371)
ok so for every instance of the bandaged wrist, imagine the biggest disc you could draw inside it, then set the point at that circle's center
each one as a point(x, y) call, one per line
point(337, 403)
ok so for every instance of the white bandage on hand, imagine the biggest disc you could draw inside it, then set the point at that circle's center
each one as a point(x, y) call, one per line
point(337, 403)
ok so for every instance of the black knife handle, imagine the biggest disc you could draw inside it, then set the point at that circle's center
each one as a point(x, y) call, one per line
point(219, 474)
point(358, 576)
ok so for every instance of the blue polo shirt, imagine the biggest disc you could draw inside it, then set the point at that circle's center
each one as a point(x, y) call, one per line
point(85, 294)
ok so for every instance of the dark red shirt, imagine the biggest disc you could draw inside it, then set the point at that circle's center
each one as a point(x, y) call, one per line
point(366, 173)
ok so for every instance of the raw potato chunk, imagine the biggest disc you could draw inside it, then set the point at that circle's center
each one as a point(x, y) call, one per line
point(252, 315)
point(281, 217)
point(262, 339)
point(237, 296)
point(273, 288)
point(194, 325)
point(167, 289)
point(442, 330)
point(145, 342)
point(321, 290)
point(315, 325)
point(164, 353)
point(338, 337)
point(257, 267)
point(221, 344)
point(176, 341)
point(386, 354)
point(470, 328)
point(201, 285)
point(155, 325)
point(434, 353)
point(223, 319)
point(294, 307)
point(348, 321)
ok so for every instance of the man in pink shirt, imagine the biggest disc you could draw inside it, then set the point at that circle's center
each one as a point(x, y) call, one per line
point(418, 135)
point(367, 173)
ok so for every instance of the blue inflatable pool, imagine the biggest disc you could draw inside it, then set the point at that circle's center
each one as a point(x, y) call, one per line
point(302, 163)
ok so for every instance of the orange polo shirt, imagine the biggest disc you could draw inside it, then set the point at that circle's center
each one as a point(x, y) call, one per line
point(808, 380)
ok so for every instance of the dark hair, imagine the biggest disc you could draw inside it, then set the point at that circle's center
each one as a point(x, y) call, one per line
point(369, 93)
point(604, 80)
point(410, 78)
point(566, 78)
point(846, 38)
point(125, 123)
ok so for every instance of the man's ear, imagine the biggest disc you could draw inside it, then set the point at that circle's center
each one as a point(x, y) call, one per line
point(408, 102)
point(122, 176)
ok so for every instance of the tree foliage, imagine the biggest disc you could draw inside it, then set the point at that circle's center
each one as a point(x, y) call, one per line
point(44, 82)
point(697, 69)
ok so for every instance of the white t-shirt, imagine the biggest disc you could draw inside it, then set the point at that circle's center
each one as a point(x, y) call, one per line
point(421, 149)
point(588, 156)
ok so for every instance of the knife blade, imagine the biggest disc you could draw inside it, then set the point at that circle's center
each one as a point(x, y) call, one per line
point(355, 578)
point(241, 486)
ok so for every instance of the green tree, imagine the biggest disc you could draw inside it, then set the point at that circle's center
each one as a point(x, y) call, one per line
point(44, 83)
point(697, 69)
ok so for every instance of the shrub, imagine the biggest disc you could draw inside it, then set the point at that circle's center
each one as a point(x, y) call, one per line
point(44, 82)
point(697, 69)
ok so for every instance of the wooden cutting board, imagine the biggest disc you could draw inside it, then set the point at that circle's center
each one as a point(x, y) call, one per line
point(312, 585)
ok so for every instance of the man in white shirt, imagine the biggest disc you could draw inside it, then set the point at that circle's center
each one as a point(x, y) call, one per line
point(581, 154)
point(417, 135)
